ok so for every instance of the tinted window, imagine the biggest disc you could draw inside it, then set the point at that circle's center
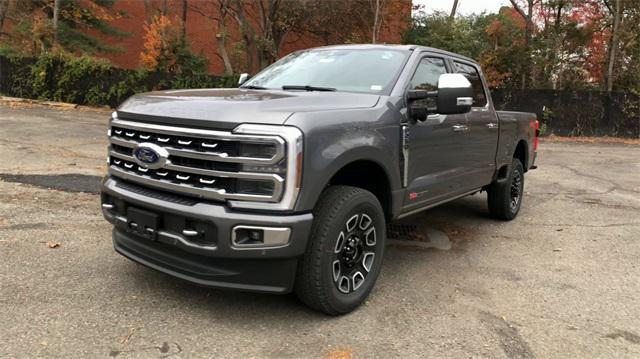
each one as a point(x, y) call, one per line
point(470, 72)
point(426, 78)
point(427, 74)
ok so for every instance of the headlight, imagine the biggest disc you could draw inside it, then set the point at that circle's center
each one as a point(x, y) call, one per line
point(290, 168)
point(279, 168)
point(259, 150)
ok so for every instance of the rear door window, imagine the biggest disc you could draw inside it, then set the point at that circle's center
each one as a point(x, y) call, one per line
point(471, 73)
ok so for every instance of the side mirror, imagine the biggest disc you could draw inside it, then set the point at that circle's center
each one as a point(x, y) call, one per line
point(455, 94)
point(419, 111)
point(243, 78)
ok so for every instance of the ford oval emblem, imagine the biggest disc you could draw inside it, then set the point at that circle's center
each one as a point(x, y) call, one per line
point(150, 155)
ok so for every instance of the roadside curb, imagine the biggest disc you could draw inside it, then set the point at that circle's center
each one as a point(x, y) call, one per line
point(50, 104)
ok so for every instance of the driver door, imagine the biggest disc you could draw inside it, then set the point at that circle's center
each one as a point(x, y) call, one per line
point(436, 163)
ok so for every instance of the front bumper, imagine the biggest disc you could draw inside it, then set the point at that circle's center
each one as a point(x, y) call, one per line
point(209, 259)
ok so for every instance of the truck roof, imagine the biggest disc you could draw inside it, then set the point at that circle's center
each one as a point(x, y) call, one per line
point(394, 47)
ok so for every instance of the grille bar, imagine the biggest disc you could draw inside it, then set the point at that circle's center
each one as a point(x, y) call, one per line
point(213, 173)
point(208, 193)
point(126, 139)
point(220, 156)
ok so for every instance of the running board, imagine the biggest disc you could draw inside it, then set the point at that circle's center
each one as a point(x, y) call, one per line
point(414, 211)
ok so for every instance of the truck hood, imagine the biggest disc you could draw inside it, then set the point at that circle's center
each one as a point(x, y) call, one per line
point(226, 108)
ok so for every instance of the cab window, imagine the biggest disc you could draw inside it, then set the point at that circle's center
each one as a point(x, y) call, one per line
point(471, 73)
point(427, 74)
point(426, 77)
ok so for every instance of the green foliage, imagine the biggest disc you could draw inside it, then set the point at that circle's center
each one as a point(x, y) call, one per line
point(463, 35)
point(547, 117)
point(190, 69)
point(33, 29)
point(91, 81)
point(66, 78)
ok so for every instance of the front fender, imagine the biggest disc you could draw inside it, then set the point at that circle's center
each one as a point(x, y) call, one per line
point(334, 140)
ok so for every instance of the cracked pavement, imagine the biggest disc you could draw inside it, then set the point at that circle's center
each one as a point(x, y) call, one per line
point(562, 280)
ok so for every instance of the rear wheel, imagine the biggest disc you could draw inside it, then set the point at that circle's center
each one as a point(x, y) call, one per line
point(344, 256)
point(505, 197)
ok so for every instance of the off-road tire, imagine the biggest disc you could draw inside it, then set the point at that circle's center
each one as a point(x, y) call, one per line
point(500, 195)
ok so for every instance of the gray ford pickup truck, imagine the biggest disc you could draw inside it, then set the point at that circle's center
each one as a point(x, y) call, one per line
point(287, 183)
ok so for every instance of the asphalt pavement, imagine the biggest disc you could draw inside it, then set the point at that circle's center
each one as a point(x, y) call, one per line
point(562, 280)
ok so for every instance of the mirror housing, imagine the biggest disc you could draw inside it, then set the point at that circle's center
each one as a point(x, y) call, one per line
point(415, 111)
point(413, 95)
point(243, 78)
point(455, 94)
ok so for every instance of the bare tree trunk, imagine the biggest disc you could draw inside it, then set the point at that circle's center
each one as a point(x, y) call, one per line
point(222, 50)
point(528, 33)
point(246, 33)
point(454, 9)
point(378, 10)
point(220, 18)
point(613, 45)
point(376, 13)
point(148, 9)
point(184, 21)
point(222, 38)
point(4, 8)
point(56, 16)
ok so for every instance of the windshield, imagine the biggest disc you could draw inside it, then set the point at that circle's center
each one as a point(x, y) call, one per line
point(368, 71)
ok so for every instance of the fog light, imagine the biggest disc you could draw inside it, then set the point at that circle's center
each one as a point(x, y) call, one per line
point(249, 237)
point(257, 237)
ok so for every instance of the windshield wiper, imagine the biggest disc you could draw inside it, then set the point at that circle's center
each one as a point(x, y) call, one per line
point(253, 87)
point(307, 88)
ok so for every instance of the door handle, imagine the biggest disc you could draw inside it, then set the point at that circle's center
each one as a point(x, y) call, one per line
point(492, 125)
point(460, 128)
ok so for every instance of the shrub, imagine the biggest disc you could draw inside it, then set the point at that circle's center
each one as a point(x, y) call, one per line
point(87, 80)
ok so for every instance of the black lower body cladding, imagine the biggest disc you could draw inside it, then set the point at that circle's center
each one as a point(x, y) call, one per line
point(208, 258)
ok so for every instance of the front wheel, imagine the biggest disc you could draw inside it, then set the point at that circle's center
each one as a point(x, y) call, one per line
point(344, 256)
point(505, 197)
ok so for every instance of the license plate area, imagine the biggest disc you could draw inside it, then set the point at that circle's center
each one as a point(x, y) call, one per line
point(142, 222)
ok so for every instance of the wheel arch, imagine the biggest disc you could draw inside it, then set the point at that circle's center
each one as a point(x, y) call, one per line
point(360, 167)
point(368, 175)
point(521, 153)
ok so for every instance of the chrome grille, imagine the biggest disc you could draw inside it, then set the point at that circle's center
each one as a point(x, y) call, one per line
point(201, 163)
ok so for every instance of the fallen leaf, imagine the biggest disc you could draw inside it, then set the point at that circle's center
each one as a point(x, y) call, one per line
point(126, 338)
point(340, 354)
point(557, 249)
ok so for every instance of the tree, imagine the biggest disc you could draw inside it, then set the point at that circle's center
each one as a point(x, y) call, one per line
point(218, 12)
point(464, 35)
point(185, 7)
point(454, 9)
point(56, 17)
point(38, 25)
point(160, 38)
point(615, 8)
point(503, 61)
point(336, 22)
point(528, 33)
point(377, 7)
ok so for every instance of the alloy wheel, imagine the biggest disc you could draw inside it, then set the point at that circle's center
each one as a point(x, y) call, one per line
point(516, 190)
point(354, 253)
